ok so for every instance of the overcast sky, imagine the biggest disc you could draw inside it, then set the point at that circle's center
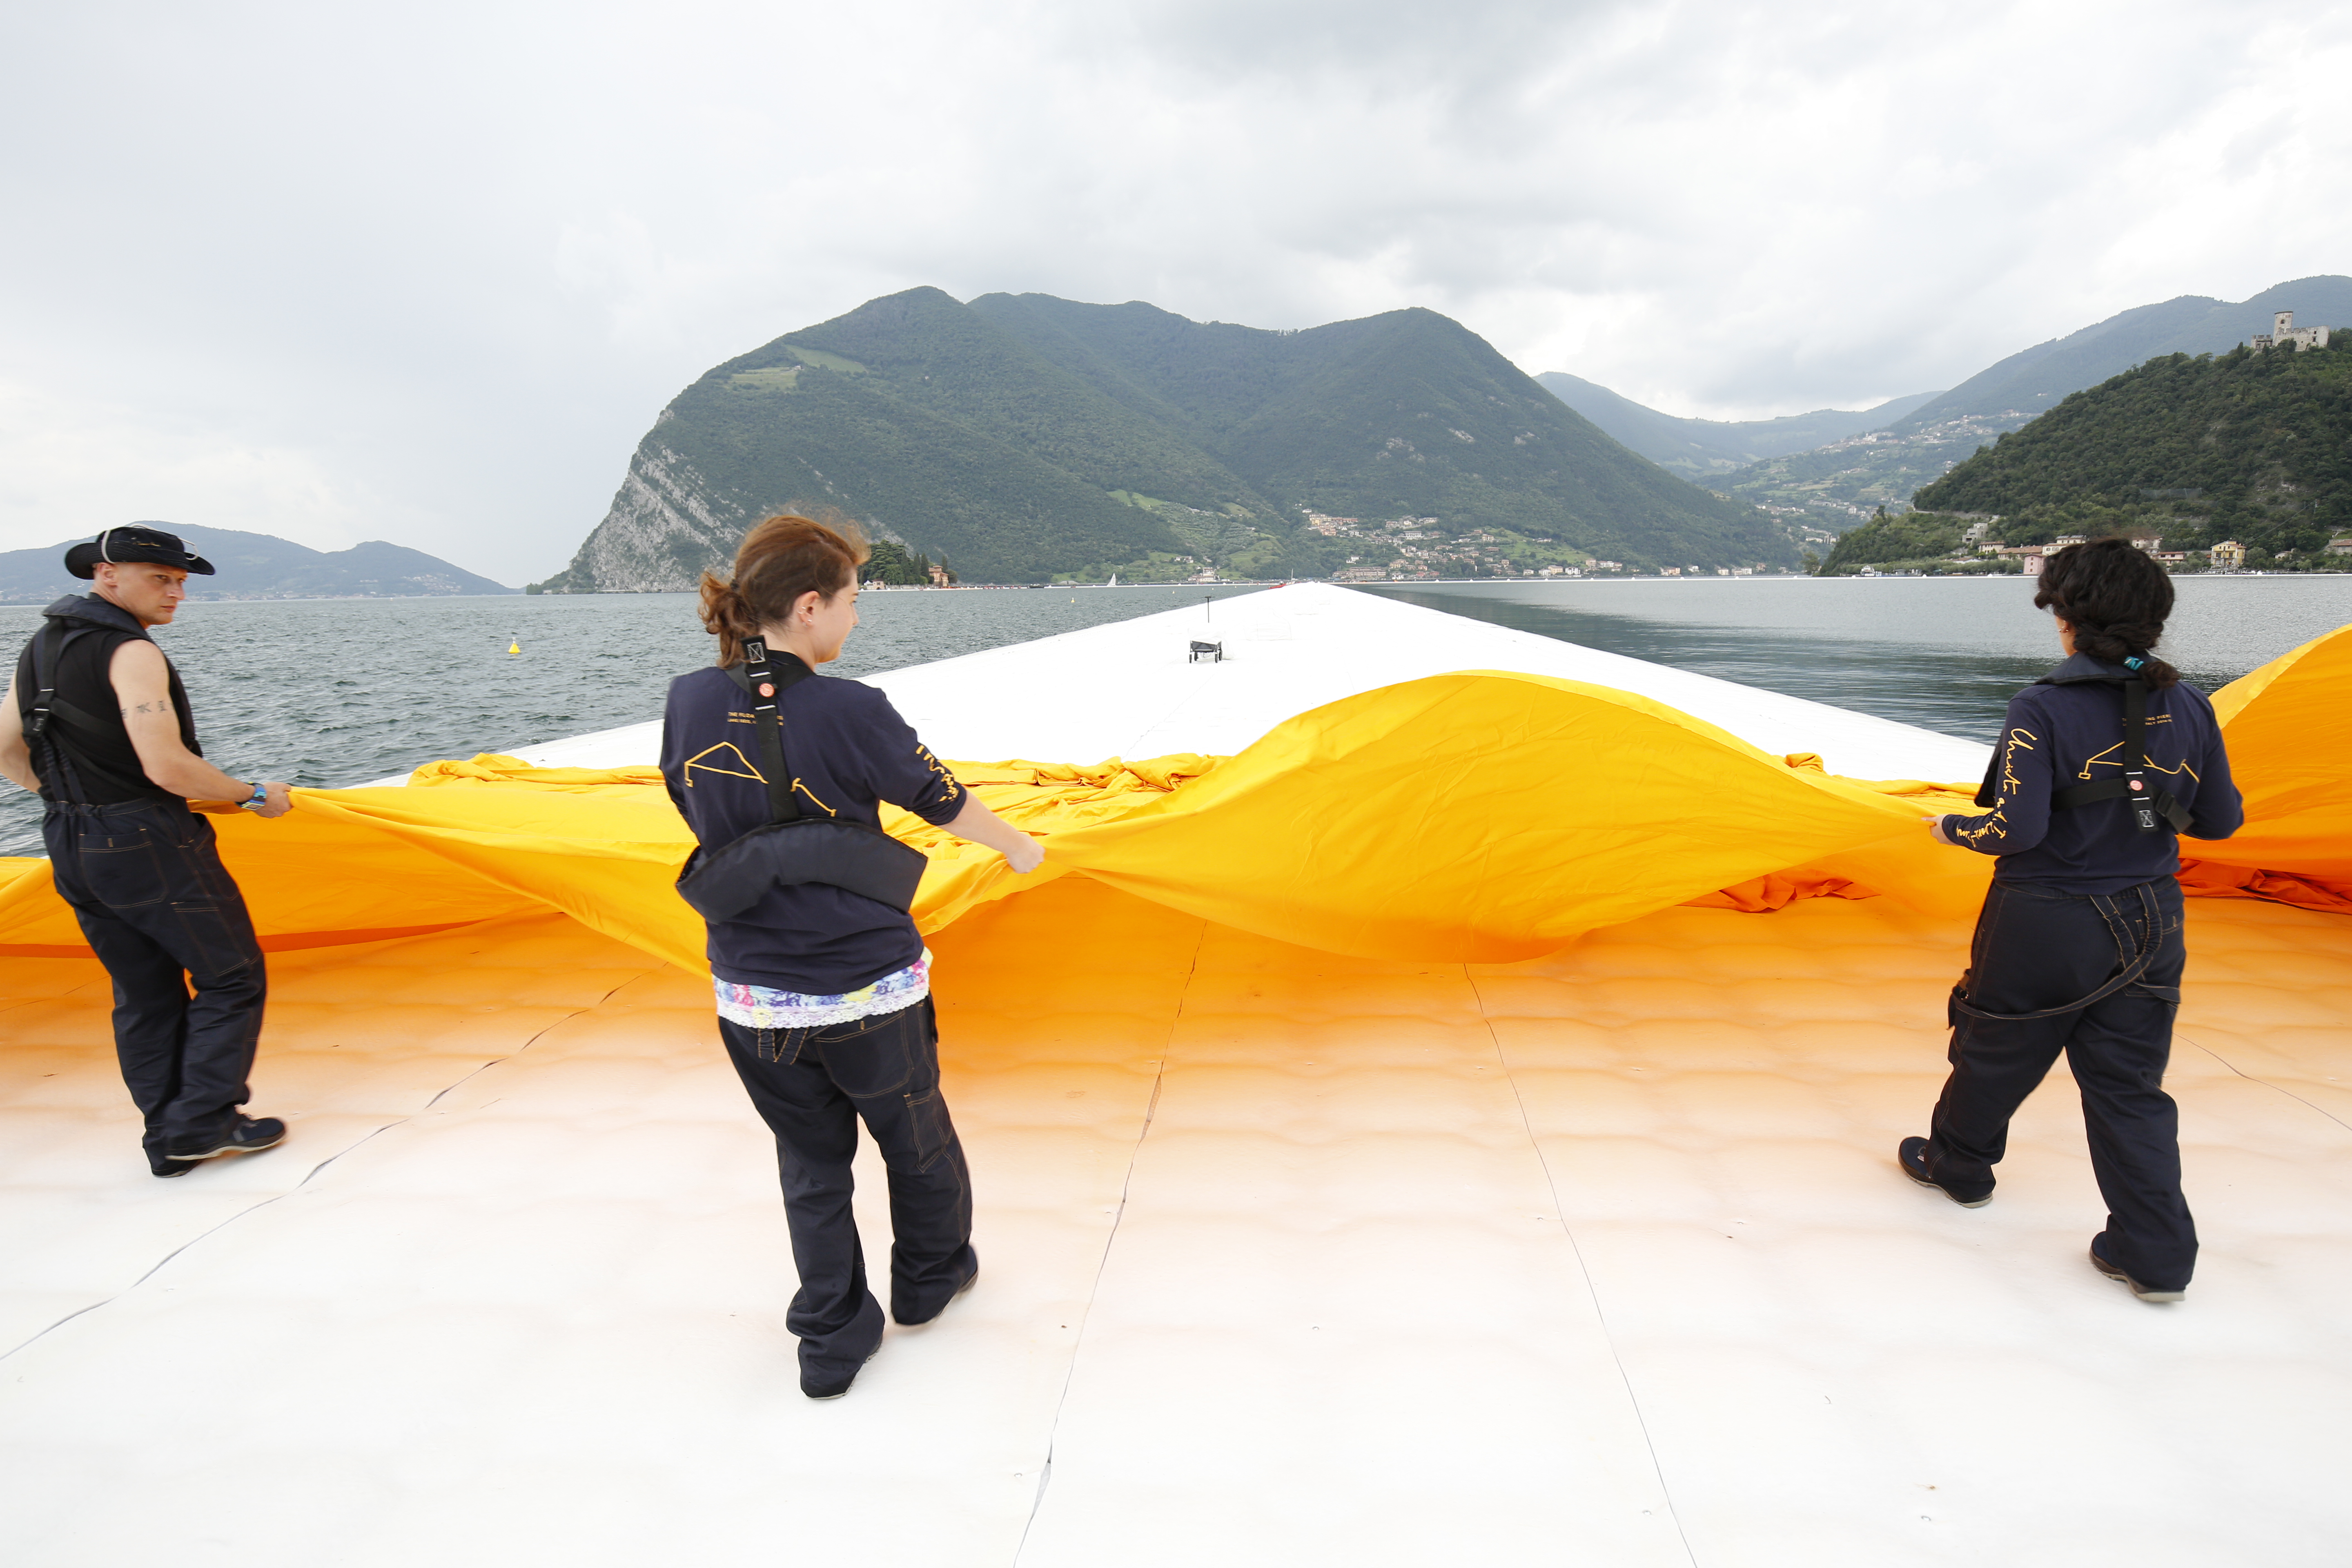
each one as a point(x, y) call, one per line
point(427, 272)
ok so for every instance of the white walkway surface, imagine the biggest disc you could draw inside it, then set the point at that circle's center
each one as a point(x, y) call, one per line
point(1132, 690)
point(1598, 1260)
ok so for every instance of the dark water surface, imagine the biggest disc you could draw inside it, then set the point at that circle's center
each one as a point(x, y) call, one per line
point(339, 692)
point(1946, 654)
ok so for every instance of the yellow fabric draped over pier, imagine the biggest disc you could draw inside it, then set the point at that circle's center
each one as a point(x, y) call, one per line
point(1485, 816)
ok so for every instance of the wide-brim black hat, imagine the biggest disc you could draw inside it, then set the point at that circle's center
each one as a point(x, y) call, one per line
point(134, 543)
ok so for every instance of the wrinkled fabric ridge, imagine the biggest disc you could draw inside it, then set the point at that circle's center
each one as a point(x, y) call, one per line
point(1483, 816)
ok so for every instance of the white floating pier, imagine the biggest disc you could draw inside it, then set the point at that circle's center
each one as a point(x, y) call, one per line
point(1133, 689)
point(1286, 1259)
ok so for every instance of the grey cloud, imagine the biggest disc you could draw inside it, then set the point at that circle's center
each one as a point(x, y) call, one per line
point(429, 273)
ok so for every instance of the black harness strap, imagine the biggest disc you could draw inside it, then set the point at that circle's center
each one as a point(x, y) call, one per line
point(764, 687)
point(793, 847)
point(49, 647)
point(2148, 802)
point(2149, 942)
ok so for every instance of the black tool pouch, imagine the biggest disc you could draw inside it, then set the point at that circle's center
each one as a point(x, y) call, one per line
point(791, 848)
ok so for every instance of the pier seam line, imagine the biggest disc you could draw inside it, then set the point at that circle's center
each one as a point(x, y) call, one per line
point(1592, 1287)
point(1102, 1265)
point(216, 1228)
point(2266, 1083)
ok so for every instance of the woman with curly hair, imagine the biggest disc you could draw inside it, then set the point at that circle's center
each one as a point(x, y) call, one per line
point(2102, 763)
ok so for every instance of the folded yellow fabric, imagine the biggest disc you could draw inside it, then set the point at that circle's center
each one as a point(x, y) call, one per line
point(1488, 816)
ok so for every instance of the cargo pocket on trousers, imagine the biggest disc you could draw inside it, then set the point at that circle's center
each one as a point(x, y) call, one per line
point(122, 869)
point(927, 1123)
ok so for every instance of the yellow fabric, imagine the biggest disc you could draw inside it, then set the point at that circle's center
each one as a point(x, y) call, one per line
point(1487, 815)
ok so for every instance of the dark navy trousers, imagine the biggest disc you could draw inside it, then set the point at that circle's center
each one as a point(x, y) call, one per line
point(146, 882)
point(812, 1087)
point(2037, 948)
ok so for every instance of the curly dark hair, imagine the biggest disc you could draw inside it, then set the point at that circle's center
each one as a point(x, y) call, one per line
point(2115, 598)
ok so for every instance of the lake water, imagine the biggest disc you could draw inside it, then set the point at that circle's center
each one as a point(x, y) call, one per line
point(1943, 653)
point(339, 691)
point(327, 692)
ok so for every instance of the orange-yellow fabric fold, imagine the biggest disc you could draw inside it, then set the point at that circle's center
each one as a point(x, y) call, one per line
point(1487, 815)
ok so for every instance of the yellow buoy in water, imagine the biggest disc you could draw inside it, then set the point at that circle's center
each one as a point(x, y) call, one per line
point(515, 647)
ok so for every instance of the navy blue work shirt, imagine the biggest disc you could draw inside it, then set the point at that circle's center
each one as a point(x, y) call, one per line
point(848, 750)
point(2067, 728)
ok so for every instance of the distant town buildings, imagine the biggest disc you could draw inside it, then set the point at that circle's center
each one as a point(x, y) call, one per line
point(2340, 546)
point(2227, 556)
point(2285, 332)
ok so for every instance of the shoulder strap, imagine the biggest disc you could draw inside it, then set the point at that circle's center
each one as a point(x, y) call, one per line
point(2148, 802)
point(764, 685)
point(50, 645)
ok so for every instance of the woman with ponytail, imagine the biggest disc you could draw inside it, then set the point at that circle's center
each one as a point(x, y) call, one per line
point(824, 994)
point(2101, 764)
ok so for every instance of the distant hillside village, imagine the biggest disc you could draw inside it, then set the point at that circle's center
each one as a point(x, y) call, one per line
point(1979, 551)
point(2214, 462)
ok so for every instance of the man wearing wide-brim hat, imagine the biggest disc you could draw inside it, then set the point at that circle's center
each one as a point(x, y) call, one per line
point(98, 722)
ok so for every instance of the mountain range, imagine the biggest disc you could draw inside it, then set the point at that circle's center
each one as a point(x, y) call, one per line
point(2252, 445)
point(1697, 448)
point(1842, 483)
point(1022, 438)
point(262, 566)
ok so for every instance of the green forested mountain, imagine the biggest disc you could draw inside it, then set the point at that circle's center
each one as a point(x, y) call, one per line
point(1697, 448)
point(1022, 438)
point(1914, 538)
point(2038, 378)
point(2255, 447)
point(1841, 484)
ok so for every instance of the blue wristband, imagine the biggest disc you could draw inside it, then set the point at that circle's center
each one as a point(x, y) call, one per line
point(259, 797)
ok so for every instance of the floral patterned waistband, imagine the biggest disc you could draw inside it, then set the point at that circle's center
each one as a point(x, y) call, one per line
point(765, 1007)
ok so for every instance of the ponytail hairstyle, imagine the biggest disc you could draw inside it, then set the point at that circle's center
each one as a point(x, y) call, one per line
point(2116, 598)
point(780, 560)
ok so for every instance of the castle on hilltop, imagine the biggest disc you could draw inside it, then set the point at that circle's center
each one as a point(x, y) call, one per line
point(2285, 332)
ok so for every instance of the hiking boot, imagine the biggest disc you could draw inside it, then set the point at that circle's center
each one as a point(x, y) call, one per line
point(1913, 1157)
point(245, 1135)
point(2139, 1290)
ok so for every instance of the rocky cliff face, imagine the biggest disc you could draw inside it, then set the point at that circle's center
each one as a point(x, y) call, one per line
point(1022, 440)
point(665, 525)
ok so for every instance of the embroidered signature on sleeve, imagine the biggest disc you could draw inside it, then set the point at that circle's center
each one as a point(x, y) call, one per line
point(1994, 824)
point(955, 788)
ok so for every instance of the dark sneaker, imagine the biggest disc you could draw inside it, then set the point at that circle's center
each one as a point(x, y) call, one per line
point(245, 1135)
point(968, 1281)
point(1912, 1155)
point(172, 1168)
point(2139, 1290)
point(830, 1385)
